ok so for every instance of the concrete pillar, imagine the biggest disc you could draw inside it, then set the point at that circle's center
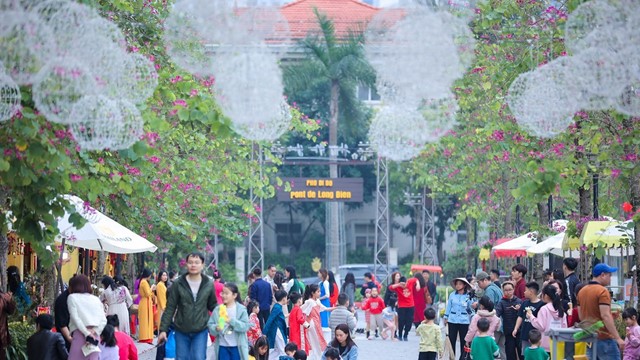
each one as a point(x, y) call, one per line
point(240, 265)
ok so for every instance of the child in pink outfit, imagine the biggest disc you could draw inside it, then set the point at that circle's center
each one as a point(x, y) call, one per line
point(485, 311)
point(632, 340)
point(549, 316)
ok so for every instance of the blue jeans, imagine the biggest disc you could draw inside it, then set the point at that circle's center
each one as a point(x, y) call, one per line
point(191, 346)
point(228, 353)
point(607, 350)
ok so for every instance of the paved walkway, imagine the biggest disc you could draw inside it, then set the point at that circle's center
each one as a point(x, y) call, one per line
point(367, 349)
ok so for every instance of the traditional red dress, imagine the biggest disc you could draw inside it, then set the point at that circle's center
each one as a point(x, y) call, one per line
point(297, 332)
point(315, 343)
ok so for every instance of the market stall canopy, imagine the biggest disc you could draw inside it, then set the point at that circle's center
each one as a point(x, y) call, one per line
point(485, 253)
point(609, 234)
point(516, 247)
point(101, 232)
point(548, 245)
point(431, 268)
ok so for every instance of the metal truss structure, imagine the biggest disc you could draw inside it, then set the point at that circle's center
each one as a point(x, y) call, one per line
point(255, 237)
point(428, 251)
point(383, 222)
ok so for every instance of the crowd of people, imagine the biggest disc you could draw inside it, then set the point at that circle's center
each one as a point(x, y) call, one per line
point(282, 319)
point(512, 319)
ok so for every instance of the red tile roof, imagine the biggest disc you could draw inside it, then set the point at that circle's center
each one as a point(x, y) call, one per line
point(345, 14)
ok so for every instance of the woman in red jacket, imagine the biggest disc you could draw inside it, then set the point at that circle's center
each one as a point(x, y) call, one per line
point(334, 290)
point(405, 305)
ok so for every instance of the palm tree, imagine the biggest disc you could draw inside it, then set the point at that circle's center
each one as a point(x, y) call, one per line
point(340, 63)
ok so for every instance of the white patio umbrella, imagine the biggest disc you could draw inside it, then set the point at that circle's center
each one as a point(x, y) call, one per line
point(101, 232)
point(516, 247)
point(550, 244)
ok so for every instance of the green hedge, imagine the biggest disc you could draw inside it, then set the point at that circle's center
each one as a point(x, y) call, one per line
point(20, 332)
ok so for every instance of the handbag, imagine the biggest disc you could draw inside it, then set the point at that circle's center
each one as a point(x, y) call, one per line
point(448, 353)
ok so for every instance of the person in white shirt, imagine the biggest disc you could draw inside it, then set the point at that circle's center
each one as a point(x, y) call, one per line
point(87, 319)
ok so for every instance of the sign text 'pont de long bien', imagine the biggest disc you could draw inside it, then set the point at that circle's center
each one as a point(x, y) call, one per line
point(322, 189)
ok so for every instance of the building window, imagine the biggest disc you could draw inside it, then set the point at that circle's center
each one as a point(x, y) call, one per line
point(367, 94)
point(285, 233)
point(364, 235)
point(462, 236)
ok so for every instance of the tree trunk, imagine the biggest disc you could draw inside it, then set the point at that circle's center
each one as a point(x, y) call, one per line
point(333, 251)
point(634, 184)
point(471, 241)
point(102, 259)
point(49, 283)
point(543, 213)
point(584, 193)
point(131, 271)
point(509, 224)
point(4, 250)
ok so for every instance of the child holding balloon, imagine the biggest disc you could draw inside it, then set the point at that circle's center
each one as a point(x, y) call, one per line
point(229, 323)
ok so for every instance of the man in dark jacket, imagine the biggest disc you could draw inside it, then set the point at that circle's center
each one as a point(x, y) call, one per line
point(262, 293)
point(569, 266)
point(62, 317)
point(507, 309)
point(45, 344)
point(189, 301)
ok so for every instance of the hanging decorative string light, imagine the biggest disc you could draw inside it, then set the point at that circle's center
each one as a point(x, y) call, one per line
point(131, 129)
point(97, 122)
point(392, 132)
point(266, 129)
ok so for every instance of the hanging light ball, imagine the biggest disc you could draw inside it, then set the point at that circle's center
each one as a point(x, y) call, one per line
point(538, 103)
point(439, 117)
point(393, 132)
point(139, 79)
point(267, 129)
point(249, 86)
point(629, 101)
point(595, 17)
point(130, 129)
point(600, 72)
point(59, 85)
point(97, 122)
point(402, 49)
point(25, 45)
point(194, 29)
point(9, 96)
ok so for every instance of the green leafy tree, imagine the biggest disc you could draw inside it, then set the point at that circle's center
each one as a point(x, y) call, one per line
point(336, 66)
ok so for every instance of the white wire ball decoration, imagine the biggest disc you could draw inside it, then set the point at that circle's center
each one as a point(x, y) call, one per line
point(139, 79)
point(193, 29)
point(393, 132)
point(409, 50)
point(25, 45)
point(130, 129)
point(262, 24)
point(67, 21)
point(439, 117)
point(98, 122)
point(540, 104)
point(267, 129)
point(109, 64)
point(249, 86)
point(591, 16)
point(59, 85)
point(600, 72)
point(9, 96)
point(629, 101)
